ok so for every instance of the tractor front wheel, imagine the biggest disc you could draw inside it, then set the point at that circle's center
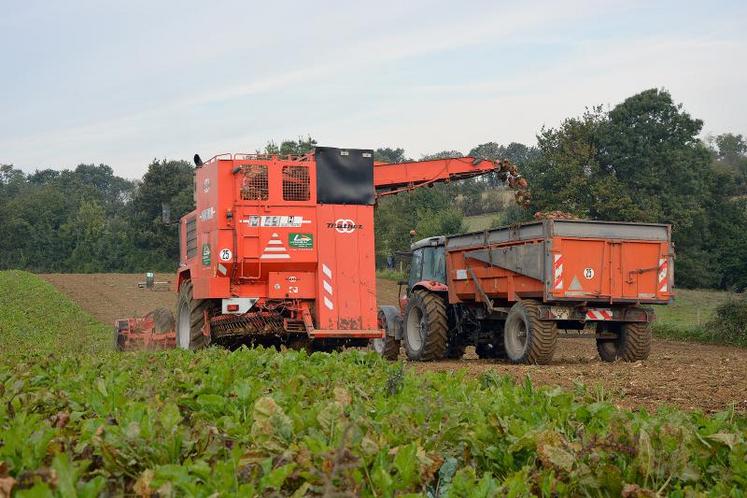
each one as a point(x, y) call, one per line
point(426, 326)
point(190, 319)
point(528, 339)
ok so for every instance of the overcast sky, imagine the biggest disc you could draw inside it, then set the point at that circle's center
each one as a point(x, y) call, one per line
point(124, 82)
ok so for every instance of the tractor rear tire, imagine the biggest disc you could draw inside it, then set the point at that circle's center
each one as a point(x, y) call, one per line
point(190, 319)
point(426, 326)
point(528, 339)
point(633, 342)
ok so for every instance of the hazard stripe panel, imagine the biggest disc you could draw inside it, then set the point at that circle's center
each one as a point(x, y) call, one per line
point(599, 314)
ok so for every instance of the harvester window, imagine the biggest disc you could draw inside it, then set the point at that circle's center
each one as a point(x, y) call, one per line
point(255, 186)
point(296, 183)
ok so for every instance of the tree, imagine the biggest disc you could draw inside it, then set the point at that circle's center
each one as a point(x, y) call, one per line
point(166, 184)
point(389, 155)
point(291, 147)
point(444, 154)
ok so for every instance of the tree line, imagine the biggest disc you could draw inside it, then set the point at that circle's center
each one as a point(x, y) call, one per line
point(642, 160)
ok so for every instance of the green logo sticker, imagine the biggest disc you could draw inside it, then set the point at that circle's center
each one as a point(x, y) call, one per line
point(206, 254)
point(301, 240)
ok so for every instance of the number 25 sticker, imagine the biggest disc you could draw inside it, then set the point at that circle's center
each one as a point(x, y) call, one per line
point(225, 255)
point(589, 273)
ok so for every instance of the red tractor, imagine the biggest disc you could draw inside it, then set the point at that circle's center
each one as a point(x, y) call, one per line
point(281, 249)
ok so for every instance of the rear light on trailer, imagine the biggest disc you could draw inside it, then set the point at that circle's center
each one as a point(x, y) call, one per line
point(232, 307)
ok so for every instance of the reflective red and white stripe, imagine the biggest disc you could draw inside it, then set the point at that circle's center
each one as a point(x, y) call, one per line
point(599, 314)
point(327, 284)
point(663, 275)
point(557, 268)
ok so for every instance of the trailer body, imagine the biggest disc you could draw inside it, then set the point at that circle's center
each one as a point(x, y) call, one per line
point(562, 261)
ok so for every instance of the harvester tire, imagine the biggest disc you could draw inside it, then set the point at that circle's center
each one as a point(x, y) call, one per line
point(528, 339)
point(190, 319)
point(633, 342)
point(426, 326)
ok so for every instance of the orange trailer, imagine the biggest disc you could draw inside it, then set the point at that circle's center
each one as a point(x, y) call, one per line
point(512, 291)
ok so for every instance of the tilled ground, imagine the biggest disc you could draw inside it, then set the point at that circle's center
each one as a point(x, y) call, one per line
point(685, 375)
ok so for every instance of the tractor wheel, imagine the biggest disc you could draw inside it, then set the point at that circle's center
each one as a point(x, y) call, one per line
point(190, 319)
point(426, 327)
point(388, 346)
point(633, 341)
point(528, 339)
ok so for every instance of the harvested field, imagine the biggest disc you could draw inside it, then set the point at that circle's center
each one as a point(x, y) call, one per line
point(685, 375)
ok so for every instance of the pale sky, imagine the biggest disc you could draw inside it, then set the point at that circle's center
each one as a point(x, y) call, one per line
point(121, 83)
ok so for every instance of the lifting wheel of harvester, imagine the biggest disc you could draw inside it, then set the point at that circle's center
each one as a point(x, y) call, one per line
point(190, 319)
point(528, 339)
point(632, 341)
point(389, 345)
point(426, 326)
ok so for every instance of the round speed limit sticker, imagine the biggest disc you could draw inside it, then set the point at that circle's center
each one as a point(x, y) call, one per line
point(226, 255)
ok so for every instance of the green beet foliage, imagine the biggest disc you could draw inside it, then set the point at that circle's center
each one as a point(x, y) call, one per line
point(85, 421)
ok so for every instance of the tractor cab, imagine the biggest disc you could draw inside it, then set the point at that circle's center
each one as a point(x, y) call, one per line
point(428, 263)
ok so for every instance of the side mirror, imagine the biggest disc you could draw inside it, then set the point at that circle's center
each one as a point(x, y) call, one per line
point(402, 282)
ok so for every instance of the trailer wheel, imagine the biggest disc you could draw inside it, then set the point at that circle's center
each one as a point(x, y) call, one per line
point(633, 341)
point(388, 347)
point(528, 339)
point(426, 326)
point(190, 319)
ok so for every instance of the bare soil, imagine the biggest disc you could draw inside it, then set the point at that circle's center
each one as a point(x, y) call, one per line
point(685, 375)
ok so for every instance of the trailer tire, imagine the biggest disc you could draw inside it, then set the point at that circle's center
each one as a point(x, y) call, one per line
point(633, 343)
point(190, 319)
point(528, 339)
point(388, 346)
point(425, 326)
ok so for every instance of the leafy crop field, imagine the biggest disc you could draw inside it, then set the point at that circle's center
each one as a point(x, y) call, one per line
point(83, 421)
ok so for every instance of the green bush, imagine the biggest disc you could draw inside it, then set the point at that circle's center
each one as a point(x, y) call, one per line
point(729, 324)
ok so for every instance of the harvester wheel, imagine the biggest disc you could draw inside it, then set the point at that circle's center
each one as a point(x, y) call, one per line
point(190, 319)
point(633, 341)
point(389, 346)
point(426, 326)
point(528, 339)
